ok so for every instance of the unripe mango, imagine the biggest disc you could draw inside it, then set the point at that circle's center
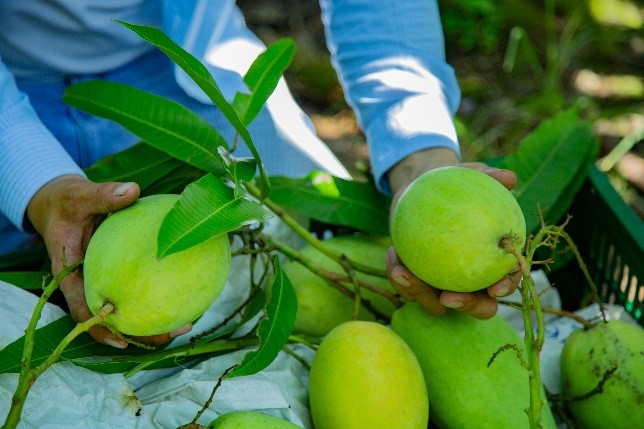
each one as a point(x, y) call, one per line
point(453, 351)
point(586, 358)
point(447, 226)
point(250, 420)
point(365, 376)
point(321, 307)
point(151, 296)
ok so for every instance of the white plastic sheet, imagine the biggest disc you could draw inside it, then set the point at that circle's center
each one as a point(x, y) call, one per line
point(68, 396)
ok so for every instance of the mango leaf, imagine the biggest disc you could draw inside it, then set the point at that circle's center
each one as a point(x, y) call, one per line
point(548, 164)
point(262, 78)
point(200, 75)
point(174, 182)
point(163, 358)
point(274, 328)
point(46, 340)
point(239, 168)
point(140, 163)
point(335, 201)
point(28, 280)
point(162, 123)
point(206, 208)
point(561, 206)
point(86, 352)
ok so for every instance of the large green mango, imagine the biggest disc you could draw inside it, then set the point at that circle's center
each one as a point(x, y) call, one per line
point(453, 351)
point(321, 307)
point(151, 295)
point(364, 376)
point(587, 356)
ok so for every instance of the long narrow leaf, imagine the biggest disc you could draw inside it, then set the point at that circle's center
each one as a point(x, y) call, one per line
point(335, 201)
point(275, 327)
point(547, 162)
point(206, 208)
point(200, 75)
point(141, 163)
point(262, 78)
point(46, 340)
point(162, 123)
point(175, 181)
point(29, 280)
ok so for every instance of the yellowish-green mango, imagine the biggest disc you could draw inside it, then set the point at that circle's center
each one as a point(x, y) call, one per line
point(447, 226)
point(586, 358)
point(365, 376)
point(151, 296)
point(453, 351)
point(321, 307)
point(250, 420)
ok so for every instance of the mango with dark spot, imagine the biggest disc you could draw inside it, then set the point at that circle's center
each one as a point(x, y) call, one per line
point(602, 373)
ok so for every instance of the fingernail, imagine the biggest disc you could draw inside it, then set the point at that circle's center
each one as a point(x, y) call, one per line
point(391, 258)
point(180, 331)
point(115, 342)
point(454, 304)
point(402, 281)
point(502, 292)
point(122, 189)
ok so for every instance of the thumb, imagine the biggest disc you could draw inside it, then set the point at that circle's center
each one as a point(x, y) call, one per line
point(110, 197)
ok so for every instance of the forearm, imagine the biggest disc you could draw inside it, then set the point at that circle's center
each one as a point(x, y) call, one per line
point(30, 156)
point(404, 172)
point(391, 61)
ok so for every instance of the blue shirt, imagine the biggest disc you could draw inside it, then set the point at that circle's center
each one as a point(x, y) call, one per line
point(389, 55)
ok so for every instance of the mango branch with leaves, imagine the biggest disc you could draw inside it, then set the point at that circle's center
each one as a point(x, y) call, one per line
point(200, 197)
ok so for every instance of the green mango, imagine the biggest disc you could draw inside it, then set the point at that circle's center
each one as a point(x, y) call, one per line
point(321, 307)
point(250, 420)
point(586, 357)
point(453, 351)
point(364, 376)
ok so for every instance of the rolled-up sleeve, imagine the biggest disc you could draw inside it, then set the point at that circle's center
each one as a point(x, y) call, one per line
point(390, 57)
point(30, 156)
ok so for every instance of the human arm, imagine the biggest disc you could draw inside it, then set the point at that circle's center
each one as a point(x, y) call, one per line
point(43, 190)
point(391, 61)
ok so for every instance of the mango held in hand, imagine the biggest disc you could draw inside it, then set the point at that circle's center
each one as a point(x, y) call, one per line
point(250, 420)
point(151, 296)
point(321, 307)
point(447, 226)
point(364, 376)
point(587, 357)
point(453, 351)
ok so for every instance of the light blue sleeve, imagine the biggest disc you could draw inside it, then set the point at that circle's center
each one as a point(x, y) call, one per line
point(30, 156)
point(390, 57)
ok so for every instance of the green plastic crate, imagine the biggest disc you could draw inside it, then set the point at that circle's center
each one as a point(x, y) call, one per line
point(610, 238)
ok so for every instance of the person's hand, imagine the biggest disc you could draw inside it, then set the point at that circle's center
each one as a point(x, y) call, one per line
point(480, 304)
point(65, 212)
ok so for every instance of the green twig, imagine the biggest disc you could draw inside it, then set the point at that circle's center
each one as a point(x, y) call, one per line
point(561, 313)
point(530, 301)
point(28, 377)
point(297, 357)
point(309, 238)
point(337, 280)
point(212, 395)
point(507, 347)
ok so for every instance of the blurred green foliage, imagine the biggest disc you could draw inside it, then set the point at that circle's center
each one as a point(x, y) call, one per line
point(473, 24)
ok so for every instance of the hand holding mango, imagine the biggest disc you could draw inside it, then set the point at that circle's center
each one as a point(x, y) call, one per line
point(151, 295)
point(474, 207)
